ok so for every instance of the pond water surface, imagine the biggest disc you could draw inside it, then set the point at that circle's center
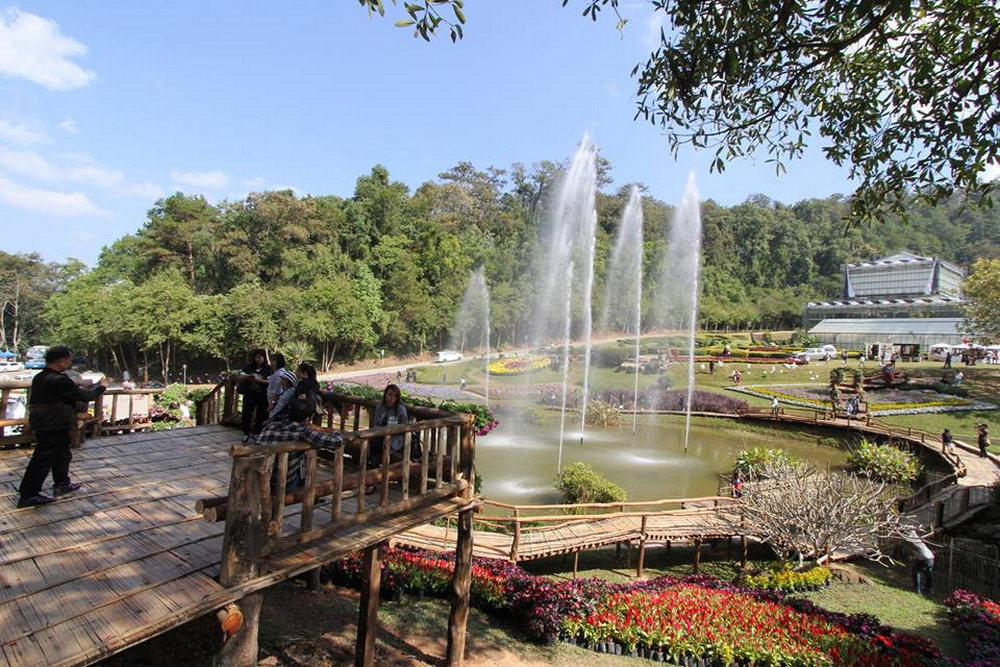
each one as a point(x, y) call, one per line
point(518, 462)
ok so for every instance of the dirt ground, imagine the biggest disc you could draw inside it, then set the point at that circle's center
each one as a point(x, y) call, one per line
point(302, 628)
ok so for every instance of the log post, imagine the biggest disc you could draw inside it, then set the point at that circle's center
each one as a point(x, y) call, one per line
point(642, 548)
point(697, 554)
point(516, 542)
point(576, 563)
point(364, 651)
point(461, 585)
point(242, 545)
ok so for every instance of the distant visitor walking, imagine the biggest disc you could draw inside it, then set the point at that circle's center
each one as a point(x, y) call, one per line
point(947, 442)
point(983, 439)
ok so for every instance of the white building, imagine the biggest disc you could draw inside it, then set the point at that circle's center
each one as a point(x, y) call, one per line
point(905, 301)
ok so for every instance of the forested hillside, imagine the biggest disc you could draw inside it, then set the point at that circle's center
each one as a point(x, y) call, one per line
point(339, 278)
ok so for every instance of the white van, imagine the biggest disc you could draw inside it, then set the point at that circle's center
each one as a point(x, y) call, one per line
point(448, 355)
point(939, 351)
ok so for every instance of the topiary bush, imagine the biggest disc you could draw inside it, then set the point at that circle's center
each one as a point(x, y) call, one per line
point(883, 462)
point(781, 577)
point(760, 462)
point(579, 483)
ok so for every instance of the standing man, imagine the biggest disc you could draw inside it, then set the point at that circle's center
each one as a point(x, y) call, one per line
point(947, 442)
point(774, 407)
point(923, 564)
point(52, 415)
point(983, 439)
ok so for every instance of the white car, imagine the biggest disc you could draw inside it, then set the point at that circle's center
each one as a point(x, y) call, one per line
point(11, 366)
point(449, 355)
point(816, 354)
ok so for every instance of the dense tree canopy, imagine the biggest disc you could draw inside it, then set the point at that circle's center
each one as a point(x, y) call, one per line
point(904, 93)
point(331, 279)
point(982, 292)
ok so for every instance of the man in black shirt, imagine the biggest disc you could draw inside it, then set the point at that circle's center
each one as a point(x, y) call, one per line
point(52, 415)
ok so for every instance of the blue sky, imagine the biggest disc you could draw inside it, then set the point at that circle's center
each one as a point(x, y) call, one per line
point(107, 106)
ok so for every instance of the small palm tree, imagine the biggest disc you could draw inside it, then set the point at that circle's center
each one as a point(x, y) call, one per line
point(298, 351)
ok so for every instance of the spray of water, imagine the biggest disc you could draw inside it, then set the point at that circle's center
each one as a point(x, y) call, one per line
point(569, 239)
point(688, 223)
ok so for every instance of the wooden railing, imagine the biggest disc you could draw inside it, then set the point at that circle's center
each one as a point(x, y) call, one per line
point(91, 420)
point(444, 469)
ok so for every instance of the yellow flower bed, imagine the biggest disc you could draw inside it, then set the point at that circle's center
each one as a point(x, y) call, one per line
point(519, 365)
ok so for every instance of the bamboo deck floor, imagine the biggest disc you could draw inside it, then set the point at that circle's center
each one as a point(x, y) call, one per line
point(580, 535)
point(127, 557)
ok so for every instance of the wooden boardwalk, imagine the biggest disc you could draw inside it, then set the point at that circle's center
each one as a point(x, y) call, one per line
point(581, 534)
point(127, 557)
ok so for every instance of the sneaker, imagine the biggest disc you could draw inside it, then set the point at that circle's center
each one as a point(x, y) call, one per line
point(35, 500)
point(246, 439)
point(63, 489)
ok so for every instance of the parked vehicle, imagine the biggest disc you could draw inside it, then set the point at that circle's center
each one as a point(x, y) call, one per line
point(939, 351)
point(449, 355)
point(34, 357)
point(816, 354)
point(10, 366)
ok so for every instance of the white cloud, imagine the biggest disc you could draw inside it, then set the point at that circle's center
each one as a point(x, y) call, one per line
point(27, 163)
point(32, 48)
point(68, 126)
point(48, 201)
point(20, 135)
point(74, 168)
point(255, 184)
point(216, 180)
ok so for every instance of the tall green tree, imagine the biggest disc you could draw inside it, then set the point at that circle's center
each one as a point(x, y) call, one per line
point(982, 295)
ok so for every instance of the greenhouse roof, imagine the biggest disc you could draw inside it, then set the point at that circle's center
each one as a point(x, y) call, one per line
point(891, 326)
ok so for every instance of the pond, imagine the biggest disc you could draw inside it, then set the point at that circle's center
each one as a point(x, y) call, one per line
point(518, 463)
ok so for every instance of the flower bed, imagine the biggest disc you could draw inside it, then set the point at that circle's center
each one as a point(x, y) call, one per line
point(695, 617)
point(880, 402)
point(519, 365)
point(979, 620)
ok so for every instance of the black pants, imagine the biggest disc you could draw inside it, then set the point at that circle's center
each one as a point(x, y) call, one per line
point(254, 402)
point(52, 454)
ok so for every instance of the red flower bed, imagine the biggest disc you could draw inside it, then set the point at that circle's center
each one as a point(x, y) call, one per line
point(671, 618)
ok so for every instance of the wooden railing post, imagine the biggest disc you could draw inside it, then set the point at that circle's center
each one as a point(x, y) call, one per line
point(242, 546)
point(364, 651)
point(461, 585)
point(642, 548)
point(516, 542)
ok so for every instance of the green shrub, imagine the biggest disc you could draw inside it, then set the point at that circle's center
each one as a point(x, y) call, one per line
point(883, 462)
point(579, 483)
point(603, 414)
point(759, 461)
point(781, 577)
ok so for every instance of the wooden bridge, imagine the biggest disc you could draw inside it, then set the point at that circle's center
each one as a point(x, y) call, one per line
point(529, 532)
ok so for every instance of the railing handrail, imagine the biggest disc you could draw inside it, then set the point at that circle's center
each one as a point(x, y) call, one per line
point(622, 504)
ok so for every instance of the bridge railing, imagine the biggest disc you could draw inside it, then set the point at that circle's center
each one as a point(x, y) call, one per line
point(520, 519)
point(436, 463)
